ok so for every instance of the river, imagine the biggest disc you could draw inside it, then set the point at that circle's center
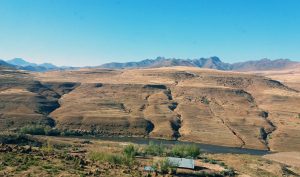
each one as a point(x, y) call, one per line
point(204, 147)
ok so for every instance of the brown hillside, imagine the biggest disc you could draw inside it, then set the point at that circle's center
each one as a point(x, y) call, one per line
point(185, 103)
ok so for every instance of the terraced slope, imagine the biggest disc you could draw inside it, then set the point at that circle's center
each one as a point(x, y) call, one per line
point(27, 101)
point(184, 103)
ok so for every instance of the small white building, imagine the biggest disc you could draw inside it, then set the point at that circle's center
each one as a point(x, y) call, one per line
point(182, 162)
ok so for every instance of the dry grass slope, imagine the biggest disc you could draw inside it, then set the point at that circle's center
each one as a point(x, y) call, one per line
point(185, 103)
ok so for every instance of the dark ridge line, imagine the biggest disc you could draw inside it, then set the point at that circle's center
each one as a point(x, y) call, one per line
point(279, 85)
point(268, 134)
point(174, 125)
point(142, 109)
point(57, 101)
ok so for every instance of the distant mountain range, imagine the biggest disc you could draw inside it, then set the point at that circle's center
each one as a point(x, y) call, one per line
point(22, 64)
point(4, 64)
point(25, 65)
point(211, 63)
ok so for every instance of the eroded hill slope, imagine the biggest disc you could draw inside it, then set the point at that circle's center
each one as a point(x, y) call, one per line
point(185, 103)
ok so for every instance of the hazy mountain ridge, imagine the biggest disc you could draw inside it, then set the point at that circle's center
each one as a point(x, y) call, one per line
point(264, 64)
point(5, 64)
point(212, 63)
point(22, 64)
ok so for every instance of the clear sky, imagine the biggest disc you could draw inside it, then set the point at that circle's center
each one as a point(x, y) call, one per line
point(92, 32)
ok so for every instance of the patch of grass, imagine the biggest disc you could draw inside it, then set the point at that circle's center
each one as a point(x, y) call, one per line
point(155, 149)
point(47, 147)
point(70, 133)
point(130, 151)
point(33, 129)
point(208, 174)
point(185, 151)
point(222, 164)
point(116, 159)
point(228, 172)
point(50, 168)
point(212, 161)
point(165, 166)
point(20, 163)
point(37, 129)
point(204, 100)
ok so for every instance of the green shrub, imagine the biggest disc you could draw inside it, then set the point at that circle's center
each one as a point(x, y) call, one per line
point(154, 149)
point(33, 130)
point(111, 158)
point(165, 166)
point(205, 160)
point(185, 151)
point(212, 161)
point(228, 172)
point(52, 131)
point(222, 164)
point(21, 163)
point(39, 130)
point(47, 147)
point(71, 133)
point(204, 100)
point(130, 151)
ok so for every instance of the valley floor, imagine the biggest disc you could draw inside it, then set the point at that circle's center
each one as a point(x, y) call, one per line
point(58, 156)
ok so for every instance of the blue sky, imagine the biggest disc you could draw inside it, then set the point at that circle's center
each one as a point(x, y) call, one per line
point(92, 32)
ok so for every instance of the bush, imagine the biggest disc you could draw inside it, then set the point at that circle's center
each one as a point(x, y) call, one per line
point(116, 159)
point(52, 131)
point(222, 164)
point(185, 151)
point(39, 130)
point(33, 130)
point(228, 172)
point(165, 166)
point(212, 161)
point(47, 147)
point(130, 151)
point(71, 133)
point(154, 149)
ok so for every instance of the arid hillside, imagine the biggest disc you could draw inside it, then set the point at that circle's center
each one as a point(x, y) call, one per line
point(184, 103)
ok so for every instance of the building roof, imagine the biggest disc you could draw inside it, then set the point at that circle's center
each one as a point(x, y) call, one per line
point(182, 162)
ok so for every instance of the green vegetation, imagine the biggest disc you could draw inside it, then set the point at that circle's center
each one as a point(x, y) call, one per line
point(130, 151)
point(37, 129)
point(116, 159)
point(164, 166)
point(33, 130)
point(299, 115)
point(47, 148)
point(19, 162)
point(54, 161)
point(70, 133)
point(204, 100)
point(228, 172)
point(154, 149)
point(185, 151)
point(212, 161)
